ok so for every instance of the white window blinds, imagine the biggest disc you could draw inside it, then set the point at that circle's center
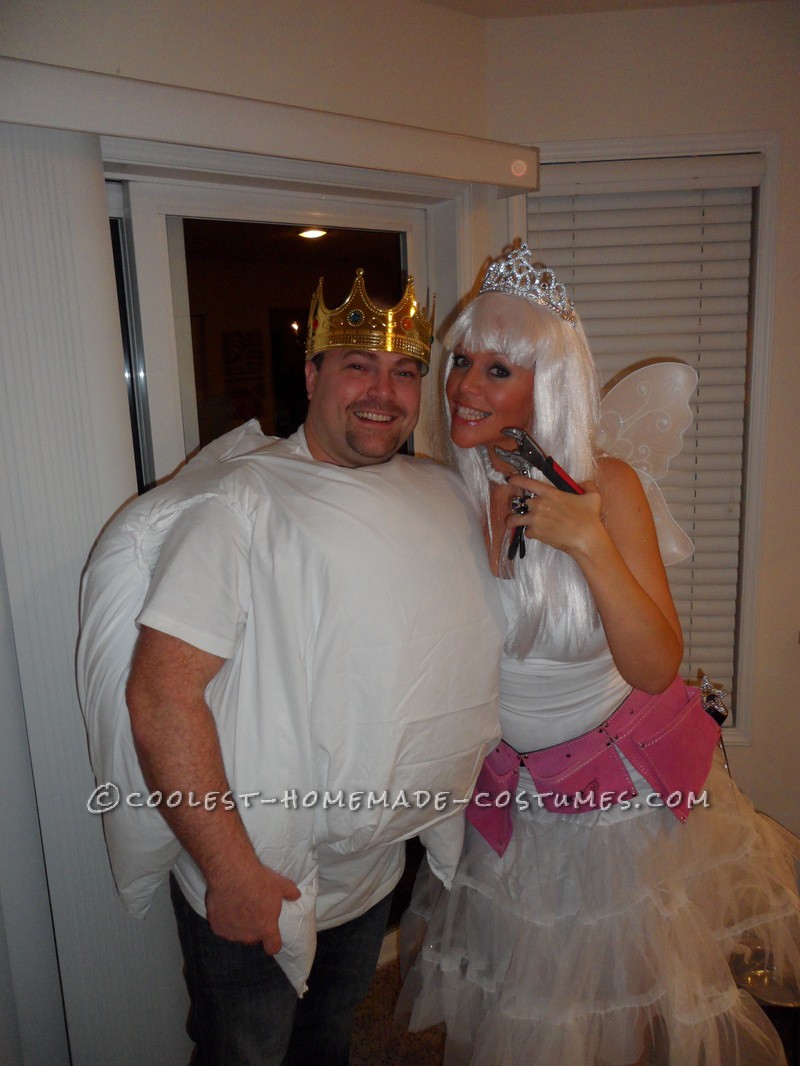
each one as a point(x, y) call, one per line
point(656, 255)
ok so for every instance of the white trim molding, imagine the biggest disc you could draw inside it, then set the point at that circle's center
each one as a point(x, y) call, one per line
point(38, 94)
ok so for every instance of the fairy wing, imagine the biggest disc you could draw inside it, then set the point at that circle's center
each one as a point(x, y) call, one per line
point(643, 418)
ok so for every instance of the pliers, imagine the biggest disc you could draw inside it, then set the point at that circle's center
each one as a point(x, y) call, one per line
point(528, 457)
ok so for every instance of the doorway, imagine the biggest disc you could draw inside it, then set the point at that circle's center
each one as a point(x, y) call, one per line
point(249, 289)
point(390, 241)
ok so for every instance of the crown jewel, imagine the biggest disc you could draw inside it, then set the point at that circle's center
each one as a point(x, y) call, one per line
point(515, 274)
point(359, 323)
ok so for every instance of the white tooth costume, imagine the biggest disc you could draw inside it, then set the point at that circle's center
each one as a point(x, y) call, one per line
point(604, 938)
point(362, 635)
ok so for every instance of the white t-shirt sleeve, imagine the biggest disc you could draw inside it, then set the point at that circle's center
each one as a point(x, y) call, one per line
point(200, 589)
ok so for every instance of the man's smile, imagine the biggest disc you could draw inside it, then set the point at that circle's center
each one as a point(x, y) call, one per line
point(374, 416)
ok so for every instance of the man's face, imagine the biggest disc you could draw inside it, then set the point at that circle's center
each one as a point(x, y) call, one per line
point(363, 405)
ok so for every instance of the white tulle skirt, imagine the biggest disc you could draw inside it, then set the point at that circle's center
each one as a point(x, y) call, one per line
point(605, 938)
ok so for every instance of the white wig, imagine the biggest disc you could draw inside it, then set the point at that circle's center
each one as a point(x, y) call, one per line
point(548, 588)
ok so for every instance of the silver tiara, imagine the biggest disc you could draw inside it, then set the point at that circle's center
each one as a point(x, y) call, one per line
point(515, 274)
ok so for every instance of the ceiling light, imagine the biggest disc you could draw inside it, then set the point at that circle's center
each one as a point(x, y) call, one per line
point(313, 233)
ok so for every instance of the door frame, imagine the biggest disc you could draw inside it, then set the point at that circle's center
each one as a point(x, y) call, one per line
point(443, 220)
point(149, 208)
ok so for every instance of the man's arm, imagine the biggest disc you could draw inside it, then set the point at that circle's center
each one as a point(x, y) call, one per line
point(178, 746)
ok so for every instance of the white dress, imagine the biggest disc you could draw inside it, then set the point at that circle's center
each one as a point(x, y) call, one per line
point(605, 937)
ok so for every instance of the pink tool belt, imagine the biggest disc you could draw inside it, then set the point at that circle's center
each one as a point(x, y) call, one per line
point(669, 738)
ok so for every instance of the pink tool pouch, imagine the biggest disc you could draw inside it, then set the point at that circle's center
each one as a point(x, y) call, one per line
point(489, 809)
point(669, 738)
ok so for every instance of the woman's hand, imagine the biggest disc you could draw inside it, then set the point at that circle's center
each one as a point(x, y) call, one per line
point(611, 536)
point(564, 520)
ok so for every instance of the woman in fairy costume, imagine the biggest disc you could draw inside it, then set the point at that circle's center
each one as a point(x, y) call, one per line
point(602, 936)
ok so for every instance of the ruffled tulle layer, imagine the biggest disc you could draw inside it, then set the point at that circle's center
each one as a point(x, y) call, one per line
point(606, 938)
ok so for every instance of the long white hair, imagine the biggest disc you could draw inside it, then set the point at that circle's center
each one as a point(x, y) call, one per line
point(547, 588)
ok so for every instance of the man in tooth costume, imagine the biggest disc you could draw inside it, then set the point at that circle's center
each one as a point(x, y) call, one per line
point(320, 619)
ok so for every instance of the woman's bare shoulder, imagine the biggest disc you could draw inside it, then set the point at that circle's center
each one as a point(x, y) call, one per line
point(615, 475)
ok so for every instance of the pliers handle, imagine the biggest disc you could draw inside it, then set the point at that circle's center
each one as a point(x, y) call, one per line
point(530, 456)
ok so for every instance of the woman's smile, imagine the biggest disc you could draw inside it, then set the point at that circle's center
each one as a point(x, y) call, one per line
point(469, 414)
point(485, 394)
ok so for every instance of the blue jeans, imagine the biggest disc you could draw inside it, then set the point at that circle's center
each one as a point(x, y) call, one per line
point(243, 1010)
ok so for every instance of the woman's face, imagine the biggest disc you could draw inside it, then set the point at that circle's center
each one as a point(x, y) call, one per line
point(485, 394)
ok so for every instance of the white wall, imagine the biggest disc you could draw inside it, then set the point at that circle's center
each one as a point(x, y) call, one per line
point(380, 60)
point(679, 72)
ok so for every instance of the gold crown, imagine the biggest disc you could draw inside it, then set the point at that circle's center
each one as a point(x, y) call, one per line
point(359, 323)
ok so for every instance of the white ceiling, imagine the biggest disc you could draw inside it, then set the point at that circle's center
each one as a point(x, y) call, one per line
point(520, 8)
